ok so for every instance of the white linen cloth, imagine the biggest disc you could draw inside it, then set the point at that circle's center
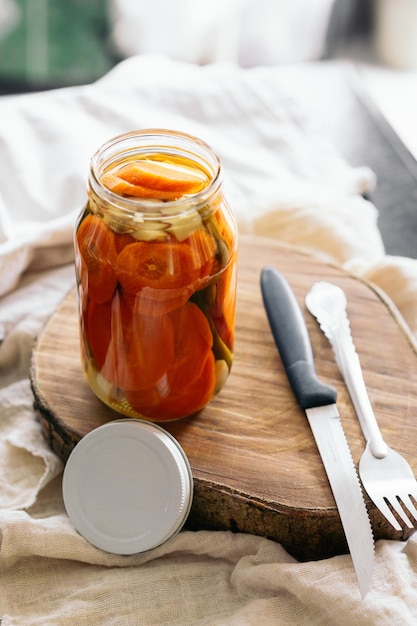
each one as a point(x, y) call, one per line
point(284, 181)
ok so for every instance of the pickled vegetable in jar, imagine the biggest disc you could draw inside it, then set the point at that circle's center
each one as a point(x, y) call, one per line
point(156, 268)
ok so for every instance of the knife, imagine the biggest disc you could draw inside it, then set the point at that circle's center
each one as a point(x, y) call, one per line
point(319, 402)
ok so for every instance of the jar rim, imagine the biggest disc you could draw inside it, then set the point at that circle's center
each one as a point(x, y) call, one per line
point(158, 140)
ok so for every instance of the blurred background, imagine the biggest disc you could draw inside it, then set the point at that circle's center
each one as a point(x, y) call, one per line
point(352, 62)
point(54, 43)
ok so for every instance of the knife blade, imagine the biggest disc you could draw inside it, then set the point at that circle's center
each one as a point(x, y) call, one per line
point(319, 402)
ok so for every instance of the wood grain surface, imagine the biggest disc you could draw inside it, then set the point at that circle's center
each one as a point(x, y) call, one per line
point(255, 464)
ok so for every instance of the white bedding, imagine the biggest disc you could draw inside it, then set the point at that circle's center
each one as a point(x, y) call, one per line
point(284, 181)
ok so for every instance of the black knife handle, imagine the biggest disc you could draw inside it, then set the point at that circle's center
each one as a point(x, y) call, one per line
point(291, 337)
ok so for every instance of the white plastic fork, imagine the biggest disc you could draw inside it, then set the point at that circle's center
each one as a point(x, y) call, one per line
point(385, 474)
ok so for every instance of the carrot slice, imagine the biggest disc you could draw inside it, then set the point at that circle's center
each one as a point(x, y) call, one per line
point(163, 175)
point(193, 340)
point(165, 265)
point(122, 240)
point(124, 188)
point(97, 329)
point(225, 228)
point(205, 248)
point(141, 348)
point(146, 401)
point(151, 301)
point(224, 309)
point(181, 402)
point(97, 248)
point(188, 381)
point(194, 397)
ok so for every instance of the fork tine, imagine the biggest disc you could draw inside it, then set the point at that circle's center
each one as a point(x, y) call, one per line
point(386, 512)
point(409, 504)
point(400, 511)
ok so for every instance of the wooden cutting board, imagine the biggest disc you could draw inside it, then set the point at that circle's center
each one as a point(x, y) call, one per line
point(255, 464)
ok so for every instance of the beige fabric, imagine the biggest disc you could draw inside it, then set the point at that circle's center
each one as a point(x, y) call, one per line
point(49, 575)
point(201, 578)
point(397, 277)
point(322, 221)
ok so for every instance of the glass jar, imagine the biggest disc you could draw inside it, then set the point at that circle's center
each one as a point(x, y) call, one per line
point(156, 268)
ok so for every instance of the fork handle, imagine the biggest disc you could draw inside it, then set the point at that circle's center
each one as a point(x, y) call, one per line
point(349, 364)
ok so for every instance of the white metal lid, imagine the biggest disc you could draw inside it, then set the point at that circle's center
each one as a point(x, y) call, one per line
point(128, 486)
